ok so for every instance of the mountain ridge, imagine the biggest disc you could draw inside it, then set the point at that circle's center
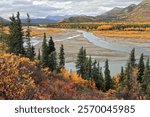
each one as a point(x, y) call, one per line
point(133, 12)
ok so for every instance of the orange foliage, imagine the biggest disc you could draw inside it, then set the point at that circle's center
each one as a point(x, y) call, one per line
point(15, 79)
point(104, 27)
point(38, 30)
point(122, 35)
point(24, 79)
point(77, 79)
point(50, 31)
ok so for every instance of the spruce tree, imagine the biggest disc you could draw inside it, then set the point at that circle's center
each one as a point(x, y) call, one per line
point(39, 55)
point(11, 42)
point(108, 80)
point(19, 35)
point(141, 68)
point(89, 69)
point(132, 59)
point(101, 83)
point(30, 53)
point(97, 76)
point(122, 77)
point(61, 57)
point(52, 63)
point(15, 41)
point(81, 63)
point(128, 74)
point(51, 46)
point(146, 77)
point(131, 84)
point(45, 55)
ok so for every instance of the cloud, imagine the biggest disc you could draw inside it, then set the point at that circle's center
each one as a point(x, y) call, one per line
point(42, 8)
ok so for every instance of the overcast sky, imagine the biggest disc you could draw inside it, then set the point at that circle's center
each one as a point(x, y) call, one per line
point(42, 8)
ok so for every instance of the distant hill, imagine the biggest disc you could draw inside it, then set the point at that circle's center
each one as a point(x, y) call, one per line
point(140, 12)
point(39, 21)
point(116, 13)
point(46, 20)
point(58, 18)
point(4, 20)
point(79, 19)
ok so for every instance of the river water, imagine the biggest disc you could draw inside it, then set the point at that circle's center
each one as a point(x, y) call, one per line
point(115, 66)
point(100, 42)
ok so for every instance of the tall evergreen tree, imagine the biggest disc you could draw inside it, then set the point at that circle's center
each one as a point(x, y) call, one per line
point(132, 59)
point(122, 77)
point(30, 53)
point(61, 57)
point(15, 41)
point(81, 63)
point(101, 83)
point(108, 80)
point(39, 55)
point(128, 74)
point(141, 68)
point(146, 77)
point(45, 55)
point(19, 35)
point(97, 76)
point(52, 61)
point(51, 46)
point(89, 69)
point(12, 29)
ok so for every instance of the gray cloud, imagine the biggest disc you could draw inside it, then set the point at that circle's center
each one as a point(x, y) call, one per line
point(42, 8)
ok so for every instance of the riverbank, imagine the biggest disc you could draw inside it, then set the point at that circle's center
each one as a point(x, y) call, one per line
point(125, 37)
point(74, 40)
point(99, 48)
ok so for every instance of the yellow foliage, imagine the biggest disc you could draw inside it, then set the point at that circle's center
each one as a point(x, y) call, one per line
point(123, 35)
point(77, 79)
point(104, 27)
point(15, 80)
point(116, 80)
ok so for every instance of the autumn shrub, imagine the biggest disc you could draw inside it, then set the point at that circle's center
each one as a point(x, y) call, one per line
point(22, 79)
point(15, 80)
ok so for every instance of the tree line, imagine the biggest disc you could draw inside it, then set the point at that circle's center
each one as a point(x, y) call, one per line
point(124, 26)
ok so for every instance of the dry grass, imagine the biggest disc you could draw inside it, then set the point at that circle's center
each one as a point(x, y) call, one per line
point(49, 31)
point(39, 31)
point(139, 35)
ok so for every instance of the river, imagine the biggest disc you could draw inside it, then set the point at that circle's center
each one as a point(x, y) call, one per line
point(100, 42)
point(115, 66)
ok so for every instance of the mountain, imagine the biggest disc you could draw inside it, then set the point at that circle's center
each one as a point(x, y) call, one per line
point(46, 20)
point(116, 13)
point(79, 19)
point(58, 18)
point(112, 14)
point(140, 12)
point(39, 21)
